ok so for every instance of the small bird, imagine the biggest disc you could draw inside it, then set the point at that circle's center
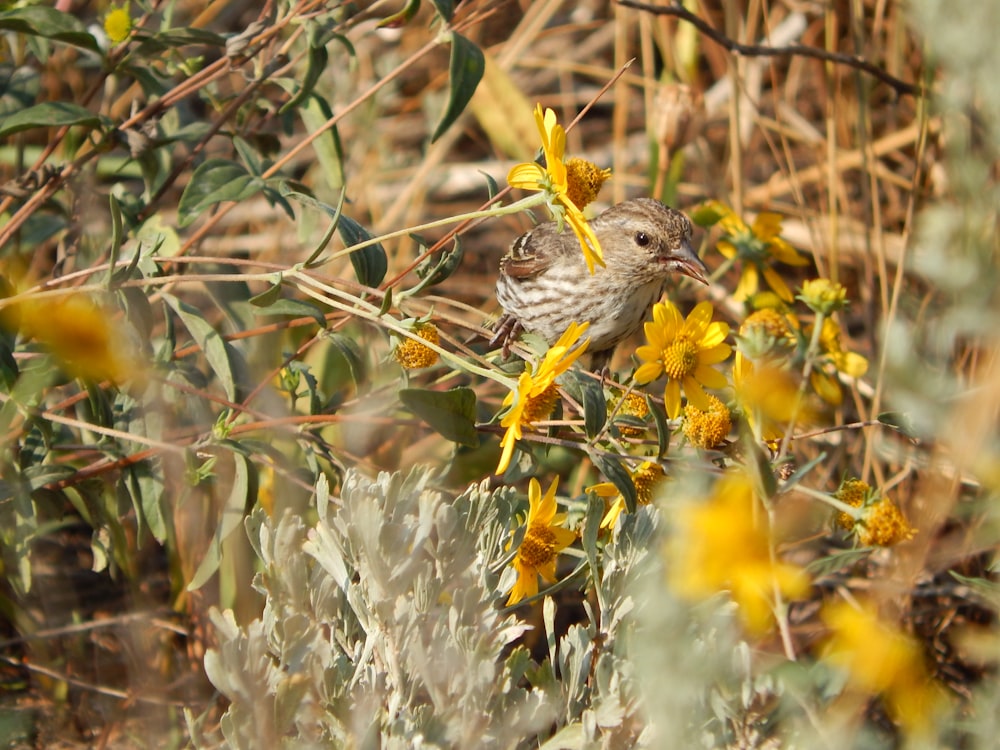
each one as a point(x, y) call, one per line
point(545, 285)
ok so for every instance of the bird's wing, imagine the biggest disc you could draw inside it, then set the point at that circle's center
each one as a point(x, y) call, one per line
point(533, 252)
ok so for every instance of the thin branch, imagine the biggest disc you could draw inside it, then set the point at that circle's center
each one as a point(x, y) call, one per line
point(754, 50)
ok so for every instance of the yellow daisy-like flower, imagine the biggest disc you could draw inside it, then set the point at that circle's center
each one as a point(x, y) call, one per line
point(571, 184)
point(684, 351)
point(412, 354)
point(835, 359)
point(118, 24)
point(879, 659)
point(823, 296)
point(646, 478)
point(880, 523)
point(536, 393)
point(724, 544)
point(757, 246)
point(544, 539)
point(707, 428)
point(78, 332)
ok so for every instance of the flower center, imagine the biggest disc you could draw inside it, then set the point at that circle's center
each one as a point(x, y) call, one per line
point(538, 546)
point(680, 358)
point(583, 181)
point(646, 480)
point(540, 407)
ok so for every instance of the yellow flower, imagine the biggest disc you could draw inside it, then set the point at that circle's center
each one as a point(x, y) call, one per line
point(880, 522)
point(766, 394)
point(879, 659)
point(684, 351)
point(118, 24)
point(646, 478)
point(571, 185)
point(834, 358)
point(536, 393)
point(757, 246)
point(823, 296)
point(78, 332)
point(707, 428)
point(725, 544)
point(633, 405)
point(412, 354)
point(544, 539)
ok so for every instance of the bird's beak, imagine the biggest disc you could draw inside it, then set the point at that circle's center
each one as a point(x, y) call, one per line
point(687, 262)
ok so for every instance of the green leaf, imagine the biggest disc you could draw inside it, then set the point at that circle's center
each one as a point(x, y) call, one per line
point(444, 8)
point(465, 71)
point(19, 88)
point(8, 365)
point(590, 394)
point(209, 340)
point(401, 17)
point(294, 308)
point(899, 421)
point(315, 113)
point(451, 413)
point(268, 297)
point(315, 65)
point(48, 23)
point(370, 263)
point(662, 427)
point(232, 518)
point(435, 269)
point(160, 41)
point(116, 237)
point(215, 181)
point(617, 474)
point(47, 115)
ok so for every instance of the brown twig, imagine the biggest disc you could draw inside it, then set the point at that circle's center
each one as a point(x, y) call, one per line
point(755, 50)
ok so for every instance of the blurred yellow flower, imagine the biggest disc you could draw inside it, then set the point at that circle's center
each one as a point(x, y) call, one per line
point(756, 246)
point(78, 332)
point(646, 478)
point(118, 24)
point(766, 395)
point(536, 393)
point(725, 544)
point(570, 185)
point(834, 358)
point(412, 354)
point(684, 351)
point(544, 539)
point(881, 660)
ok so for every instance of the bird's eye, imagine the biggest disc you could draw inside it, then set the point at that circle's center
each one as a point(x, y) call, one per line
point(641, 239)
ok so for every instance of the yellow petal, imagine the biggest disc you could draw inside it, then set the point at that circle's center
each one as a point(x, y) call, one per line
point(696, 395)
point(648, 372)
point(709, 377)
point(748, 283)
point(827, 387)
point(672, 399)
point(715, 334)
point(715, 354)
point(526, 176)
point(698, 320)
point(726, 248)
point(777, 284)
point(851, 363)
